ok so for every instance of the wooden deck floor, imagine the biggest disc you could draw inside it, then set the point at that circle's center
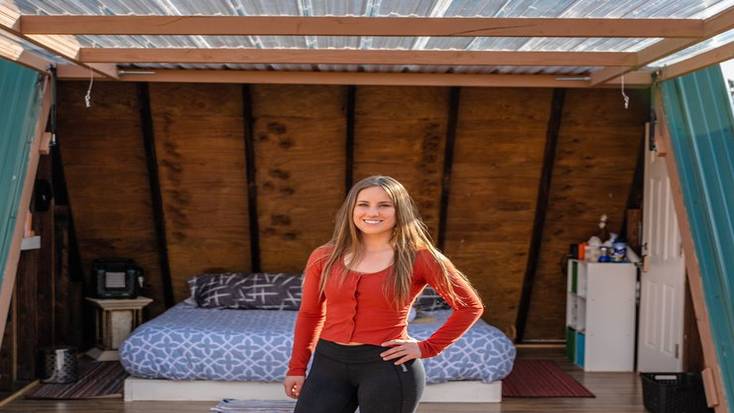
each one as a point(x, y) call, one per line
point(615, 393)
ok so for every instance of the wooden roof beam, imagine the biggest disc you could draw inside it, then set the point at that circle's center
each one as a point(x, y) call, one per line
point(362, 26)
point(355, 57)
point(711, 57)
point(14, 51)
point(713, 26)
point(64, 46)
point(67, 72)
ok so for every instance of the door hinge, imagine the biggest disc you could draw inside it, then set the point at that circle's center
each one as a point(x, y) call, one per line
point(677, 351)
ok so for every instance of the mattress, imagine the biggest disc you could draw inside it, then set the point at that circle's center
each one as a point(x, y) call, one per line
point(191, 343)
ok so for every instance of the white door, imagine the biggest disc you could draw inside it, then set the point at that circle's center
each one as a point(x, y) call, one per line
point(660, 337)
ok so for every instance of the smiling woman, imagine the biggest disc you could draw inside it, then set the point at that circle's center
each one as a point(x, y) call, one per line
point(357, 292)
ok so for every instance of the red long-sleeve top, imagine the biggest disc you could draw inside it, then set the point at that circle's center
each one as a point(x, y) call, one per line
point(358, 311)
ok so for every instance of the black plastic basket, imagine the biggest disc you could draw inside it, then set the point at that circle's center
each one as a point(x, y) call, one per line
point(674, 393)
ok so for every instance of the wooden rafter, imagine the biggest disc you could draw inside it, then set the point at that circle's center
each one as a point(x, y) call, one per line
point(64, 46)
point(14, 51)
point(712, 26)
point(713, 56)
point(640, 79)
point(354, 57)
point(362, 26)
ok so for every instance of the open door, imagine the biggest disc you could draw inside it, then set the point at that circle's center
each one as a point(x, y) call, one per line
point(662, 279)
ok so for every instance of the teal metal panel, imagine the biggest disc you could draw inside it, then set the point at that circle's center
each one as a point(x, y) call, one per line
point(19, 101)
point(699, 114)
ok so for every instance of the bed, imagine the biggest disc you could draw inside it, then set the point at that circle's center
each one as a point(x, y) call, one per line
point(189, 343)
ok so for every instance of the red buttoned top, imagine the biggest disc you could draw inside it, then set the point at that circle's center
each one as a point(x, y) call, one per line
point(359, 312)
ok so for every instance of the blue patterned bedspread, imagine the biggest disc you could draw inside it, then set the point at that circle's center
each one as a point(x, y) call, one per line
point(190, 343)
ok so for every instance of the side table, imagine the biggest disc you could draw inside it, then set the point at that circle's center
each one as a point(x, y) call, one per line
point(114, 319)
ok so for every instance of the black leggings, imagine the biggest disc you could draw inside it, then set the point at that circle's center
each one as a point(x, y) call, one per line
point(344, 377)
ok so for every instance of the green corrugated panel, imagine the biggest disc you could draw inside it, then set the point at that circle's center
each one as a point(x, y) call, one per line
point(19, 97)
point(701, 125)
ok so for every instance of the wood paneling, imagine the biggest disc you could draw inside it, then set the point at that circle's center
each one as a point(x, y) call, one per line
point(70, 314)
point(199, 137)
point(299, 139)
point(597, 150)
point(300, 154)
point(497, 162)
point(104, 165)
point(45, 225)
point(401, 132)
point(70, 311)
point(541, 208)
point(34, 286)
point(26, 300)
point(692, 349)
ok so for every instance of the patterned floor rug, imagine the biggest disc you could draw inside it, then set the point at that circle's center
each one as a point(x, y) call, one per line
point(254, 406)
point(103, 379)
point(541, 378)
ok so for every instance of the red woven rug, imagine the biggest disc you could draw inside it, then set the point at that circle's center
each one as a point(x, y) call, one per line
point(541, 378)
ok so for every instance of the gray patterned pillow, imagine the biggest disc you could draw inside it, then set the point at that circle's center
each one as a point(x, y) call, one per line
point(263, 291)
point(429, 300)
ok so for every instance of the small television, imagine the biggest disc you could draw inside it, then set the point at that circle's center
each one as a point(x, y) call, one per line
point(116, 278)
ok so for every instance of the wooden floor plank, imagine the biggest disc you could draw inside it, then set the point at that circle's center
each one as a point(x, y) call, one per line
point(615, 393)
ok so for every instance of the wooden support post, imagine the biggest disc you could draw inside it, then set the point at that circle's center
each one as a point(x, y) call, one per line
point(349, 172)
point(249, 137)
point(541, 207)
point(45, 143)
point(146, 121)
point(448, 161)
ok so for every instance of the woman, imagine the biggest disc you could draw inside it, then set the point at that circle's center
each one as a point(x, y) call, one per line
point(357, 292)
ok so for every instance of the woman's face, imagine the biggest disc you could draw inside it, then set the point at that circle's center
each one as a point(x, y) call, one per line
point(374, 212)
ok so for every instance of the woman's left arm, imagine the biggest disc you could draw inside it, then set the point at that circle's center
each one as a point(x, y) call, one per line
point(466, 311)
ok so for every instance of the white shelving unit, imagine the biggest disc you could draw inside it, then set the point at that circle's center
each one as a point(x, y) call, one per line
point(600, 315)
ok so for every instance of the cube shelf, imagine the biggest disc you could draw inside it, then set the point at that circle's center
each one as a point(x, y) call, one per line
point(600, 315)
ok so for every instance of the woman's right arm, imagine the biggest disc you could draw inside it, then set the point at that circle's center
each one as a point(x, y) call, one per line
point(311, 315)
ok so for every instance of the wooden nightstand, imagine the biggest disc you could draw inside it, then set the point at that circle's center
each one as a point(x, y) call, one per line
point(114, 320)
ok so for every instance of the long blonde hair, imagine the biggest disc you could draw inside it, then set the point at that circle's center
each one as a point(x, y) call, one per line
point(409, 235)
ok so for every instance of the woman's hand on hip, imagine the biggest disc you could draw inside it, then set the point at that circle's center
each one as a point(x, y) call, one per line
point(402, 350)
point(293, 385)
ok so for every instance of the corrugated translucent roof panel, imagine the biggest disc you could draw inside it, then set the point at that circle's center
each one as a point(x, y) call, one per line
point(698, 9)
point(433, 8)
point(716, 41)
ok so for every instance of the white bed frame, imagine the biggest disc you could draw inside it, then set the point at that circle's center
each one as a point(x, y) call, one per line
point(149, 389)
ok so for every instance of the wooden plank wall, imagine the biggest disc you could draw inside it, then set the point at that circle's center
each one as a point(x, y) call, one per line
point(401, 132)
point(497, 164)
point(45, 303)
point(299, 142)
point(204, 202)
point(598, 144)
point(104, 165)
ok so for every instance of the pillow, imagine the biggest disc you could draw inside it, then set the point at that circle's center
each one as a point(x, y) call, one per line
point(412, 313)
point(429, 300)
point(263, 291)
